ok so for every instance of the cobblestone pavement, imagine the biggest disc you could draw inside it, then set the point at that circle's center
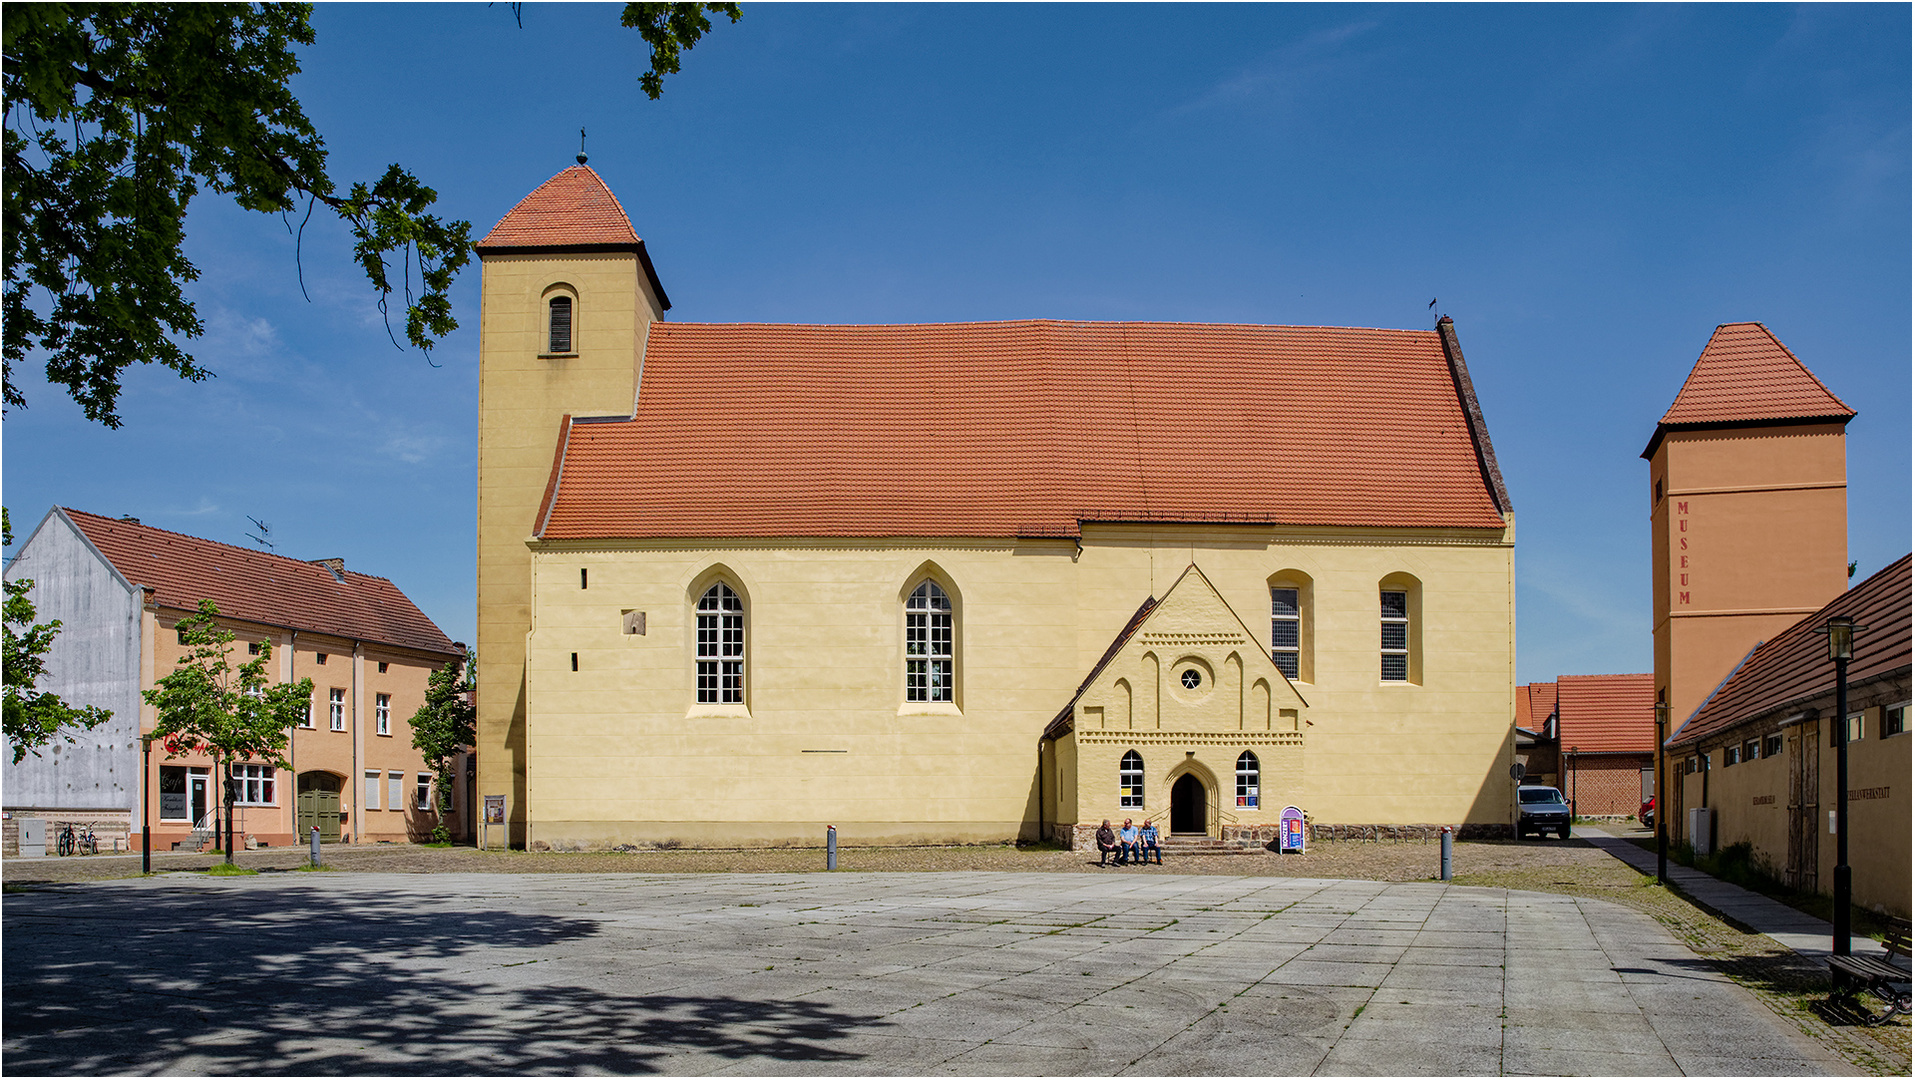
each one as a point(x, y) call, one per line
point(862, 974)
point(1792, 988)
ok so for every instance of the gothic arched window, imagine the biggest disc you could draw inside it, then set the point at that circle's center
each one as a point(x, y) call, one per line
point(928, 671)
point(721, 647)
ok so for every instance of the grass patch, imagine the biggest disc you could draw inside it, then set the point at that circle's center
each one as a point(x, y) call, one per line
point(308, 867)
point(229, 870)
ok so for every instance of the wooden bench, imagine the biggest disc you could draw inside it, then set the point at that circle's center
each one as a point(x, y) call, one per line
point(1878, 977)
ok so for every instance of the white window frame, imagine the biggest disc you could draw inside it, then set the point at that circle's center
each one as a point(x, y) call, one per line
point(1772, 745)
point(1249, 782)
point(1130, 781)
point(1395, 624)
point(395, 791)
point(720, 626)
point(930, 631)
point(254, 785)
point(336, 707)
point(422, 791)
point(374, 778)
point(382, 714)
point(1292, 620)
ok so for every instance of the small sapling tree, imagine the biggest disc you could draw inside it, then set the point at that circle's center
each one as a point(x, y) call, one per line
point(208, 706)
point(442, 727)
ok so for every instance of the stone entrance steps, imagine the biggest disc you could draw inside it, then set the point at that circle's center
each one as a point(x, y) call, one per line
point(1197, 844)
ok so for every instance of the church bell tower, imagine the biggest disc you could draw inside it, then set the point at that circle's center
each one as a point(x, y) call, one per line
point(568, 295)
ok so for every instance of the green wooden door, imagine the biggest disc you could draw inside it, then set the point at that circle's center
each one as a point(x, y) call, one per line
point(319, 805)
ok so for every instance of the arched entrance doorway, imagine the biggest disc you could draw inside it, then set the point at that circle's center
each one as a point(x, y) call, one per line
point(1188, 810)
point(319, 805)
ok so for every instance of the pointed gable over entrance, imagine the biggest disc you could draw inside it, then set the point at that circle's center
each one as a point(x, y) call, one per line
point(1747, 376)
point(1184, 664)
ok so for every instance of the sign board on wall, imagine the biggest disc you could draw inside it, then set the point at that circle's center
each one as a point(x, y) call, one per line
point(495, 809)
point(1290, 835)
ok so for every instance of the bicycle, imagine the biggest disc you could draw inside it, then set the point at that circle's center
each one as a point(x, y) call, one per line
point(80, 842)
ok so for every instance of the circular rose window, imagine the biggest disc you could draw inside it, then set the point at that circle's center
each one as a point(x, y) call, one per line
point(1192, 678)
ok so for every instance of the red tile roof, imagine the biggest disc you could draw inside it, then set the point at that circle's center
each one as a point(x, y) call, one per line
point(573, 211)
point(1025, 429)
point(257, 587)
point(1745, 375)
point(574, 207)
point(1606, 714)
point(1794, 666)
point(1534, 703)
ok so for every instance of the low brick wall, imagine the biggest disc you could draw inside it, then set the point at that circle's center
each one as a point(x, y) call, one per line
point(108, 826)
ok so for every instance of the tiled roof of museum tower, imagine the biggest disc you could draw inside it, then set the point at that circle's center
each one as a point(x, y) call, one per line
point(1027, 428)
point(1746, 375)
point(254, 586)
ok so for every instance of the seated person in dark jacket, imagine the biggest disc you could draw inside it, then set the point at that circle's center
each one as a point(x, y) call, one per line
point(1106, 843)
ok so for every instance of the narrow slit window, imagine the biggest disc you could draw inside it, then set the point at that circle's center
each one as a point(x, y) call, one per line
point(560, 338)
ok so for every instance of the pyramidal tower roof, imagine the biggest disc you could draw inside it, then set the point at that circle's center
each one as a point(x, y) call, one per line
point(573, 208)
point(572, 212)
point(1746, 376)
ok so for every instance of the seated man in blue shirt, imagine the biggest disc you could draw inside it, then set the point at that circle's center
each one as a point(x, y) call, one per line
point(1147, 842)
point(1129, 849)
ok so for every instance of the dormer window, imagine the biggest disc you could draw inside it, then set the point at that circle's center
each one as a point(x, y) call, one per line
point(559, 334)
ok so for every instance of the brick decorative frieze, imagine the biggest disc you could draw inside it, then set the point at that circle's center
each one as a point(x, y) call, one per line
point(1192, 738)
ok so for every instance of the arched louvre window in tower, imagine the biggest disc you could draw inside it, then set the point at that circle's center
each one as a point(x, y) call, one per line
point(559, 340)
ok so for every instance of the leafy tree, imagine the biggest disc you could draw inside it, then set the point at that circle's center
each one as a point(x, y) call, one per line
point(32, 717)
point(230, 714)
point(445, 725)
point(117, 114)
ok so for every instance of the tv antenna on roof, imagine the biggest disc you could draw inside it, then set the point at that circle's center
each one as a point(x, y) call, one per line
point(265, 531)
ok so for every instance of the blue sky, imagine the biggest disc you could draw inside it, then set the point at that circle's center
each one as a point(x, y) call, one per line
point(1588, 191)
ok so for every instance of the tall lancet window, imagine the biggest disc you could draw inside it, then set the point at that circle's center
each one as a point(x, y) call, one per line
point(559, 340)
point(928, 674)
point(721, 647)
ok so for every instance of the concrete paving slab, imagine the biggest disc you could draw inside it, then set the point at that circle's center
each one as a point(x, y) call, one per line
point(869, 974)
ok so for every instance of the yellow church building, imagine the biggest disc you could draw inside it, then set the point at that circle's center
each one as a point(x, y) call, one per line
point(970, 582)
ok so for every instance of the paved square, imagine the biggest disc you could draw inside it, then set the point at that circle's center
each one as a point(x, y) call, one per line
point(860, 974)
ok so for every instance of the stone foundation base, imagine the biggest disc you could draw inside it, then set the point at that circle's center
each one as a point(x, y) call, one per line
point(1082, 837)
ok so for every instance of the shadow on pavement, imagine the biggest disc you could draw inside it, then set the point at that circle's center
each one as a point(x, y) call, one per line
point(298, 980)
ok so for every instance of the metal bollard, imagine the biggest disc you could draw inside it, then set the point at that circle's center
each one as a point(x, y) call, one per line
point(831, 847)
point(1446, 853)
point(316, 845)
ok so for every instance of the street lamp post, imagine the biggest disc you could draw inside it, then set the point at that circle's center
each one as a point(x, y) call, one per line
point(146, 806)
point(1662, 804)
point(1841, 632)
point(1573, 751)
